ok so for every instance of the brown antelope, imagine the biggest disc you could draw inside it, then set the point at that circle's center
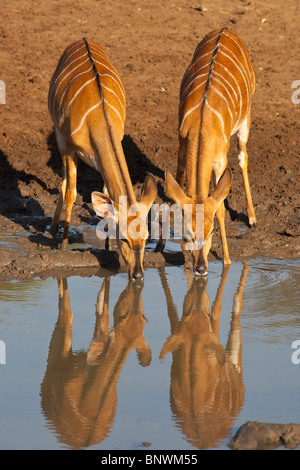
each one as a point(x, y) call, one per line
point(215, 103)
point(207, 389)
point(79, 389)
point(87, 106)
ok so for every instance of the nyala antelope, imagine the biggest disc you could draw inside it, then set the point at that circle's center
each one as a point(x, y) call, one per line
point(87, 106)
point(215, 103)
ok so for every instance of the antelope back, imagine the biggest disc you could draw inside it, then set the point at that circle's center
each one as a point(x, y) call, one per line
point(84, 84)
point(219, 84)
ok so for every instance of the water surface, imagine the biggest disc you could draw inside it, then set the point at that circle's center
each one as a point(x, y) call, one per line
point(175, 363)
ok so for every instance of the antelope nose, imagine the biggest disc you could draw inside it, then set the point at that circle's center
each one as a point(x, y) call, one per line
point(201, 271)
point(138, 276)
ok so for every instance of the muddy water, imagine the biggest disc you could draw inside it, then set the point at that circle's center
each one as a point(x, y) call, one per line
point(176, 363)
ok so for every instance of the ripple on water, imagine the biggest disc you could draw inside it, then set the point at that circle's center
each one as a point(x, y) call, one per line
point(272, 296)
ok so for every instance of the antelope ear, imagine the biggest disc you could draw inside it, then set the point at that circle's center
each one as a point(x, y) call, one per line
point(223, 187)
point(149, 191)
point(103, 205)
point(175, 191)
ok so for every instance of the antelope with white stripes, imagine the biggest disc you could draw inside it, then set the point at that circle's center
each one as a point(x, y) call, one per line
point(87, 105)
point(215, 103)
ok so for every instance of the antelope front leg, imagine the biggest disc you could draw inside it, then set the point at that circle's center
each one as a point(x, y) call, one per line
point(62, 194)
point(220, 215)
point(181, 162)
point(242, 138)
point(70, 195)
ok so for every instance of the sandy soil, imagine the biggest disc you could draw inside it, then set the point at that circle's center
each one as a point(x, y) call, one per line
point(150, 44)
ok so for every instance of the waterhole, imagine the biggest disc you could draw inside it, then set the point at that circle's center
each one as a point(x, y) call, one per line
point(177, 362)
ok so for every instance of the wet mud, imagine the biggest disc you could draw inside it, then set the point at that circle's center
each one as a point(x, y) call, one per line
point(151, 45)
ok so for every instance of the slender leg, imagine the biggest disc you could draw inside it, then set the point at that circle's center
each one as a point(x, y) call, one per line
point(56, 217)
point(220, 215)
point(181, 162)
point(242, 138)
point(70, 195)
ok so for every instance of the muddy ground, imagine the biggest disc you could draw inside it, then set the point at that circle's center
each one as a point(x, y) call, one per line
point(150, 44)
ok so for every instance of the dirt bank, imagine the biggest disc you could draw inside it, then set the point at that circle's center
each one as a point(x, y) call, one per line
point(150, 44)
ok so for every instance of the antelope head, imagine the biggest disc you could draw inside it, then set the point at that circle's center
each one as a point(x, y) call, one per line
point(130, 222)
point(198, 239)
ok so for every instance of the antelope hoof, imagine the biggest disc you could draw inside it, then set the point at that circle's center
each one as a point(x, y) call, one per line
point(201, 271)
point(160, 246)
point(53, 230)
point(252, 222)
point(64, 245)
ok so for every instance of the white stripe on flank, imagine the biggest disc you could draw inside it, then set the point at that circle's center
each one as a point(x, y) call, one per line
point(112, 76)
point(246, 75)
point(99, 52)
point(242, 49)
point(74, 52)
point(74, 97)
point(239, 69)
point(189, 112)
point(220, 119)
point(237, 85)
point(114, 93)
point(59, 84)
point(84, 117)
point(223, 98)
point(116, 111)
point(68, 85)
point(202, 44)
point(184, 88)
point(109, 66)
point(182, 101)
point(217, 74)
point(64, 68)
point(194, 62)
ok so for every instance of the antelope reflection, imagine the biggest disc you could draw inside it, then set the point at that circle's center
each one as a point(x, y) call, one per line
point(206, 390)
point(78, 393)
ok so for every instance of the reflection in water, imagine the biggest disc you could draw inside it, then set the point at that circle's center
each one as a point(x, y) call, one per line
point(79, 390)
point(78, 393)
point(207, 390)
